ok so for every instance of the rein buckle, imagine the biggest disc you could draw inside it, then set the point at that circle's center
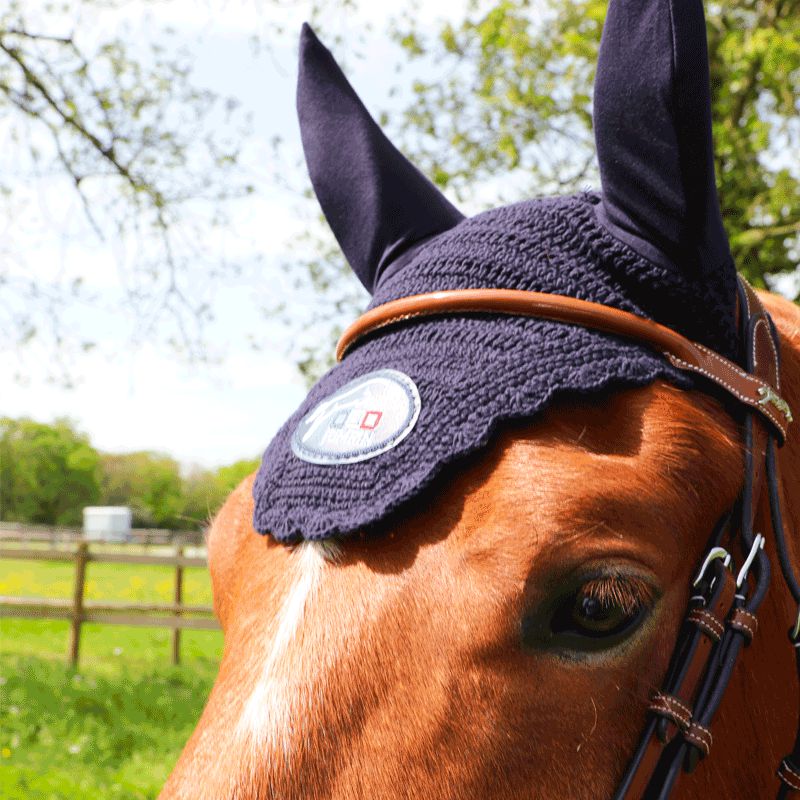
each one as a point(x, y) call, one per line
point(714, 554)
point(758, 544)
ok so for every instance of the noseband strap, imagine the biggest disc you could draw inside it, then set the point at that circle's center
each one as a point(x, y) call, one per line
point(721, 617)
point(753, 390)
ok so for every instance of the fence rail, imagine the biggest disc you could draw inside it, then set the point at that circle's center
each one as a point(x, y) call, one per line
point(80, 611)
point(51, 534)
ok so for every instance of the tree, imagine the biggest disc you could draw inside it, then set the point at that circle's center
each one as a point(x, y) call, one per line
point(48, 473)
point(202, 497)
point(517, 103)
point(118, 123)
point(159, 496)
point(150, 483)
point(204, 491)
point(503, 112)
point(230, 476)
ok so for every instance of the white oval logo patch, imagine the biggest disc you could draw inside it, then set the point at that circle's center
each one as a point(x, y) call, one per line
point(363, 419)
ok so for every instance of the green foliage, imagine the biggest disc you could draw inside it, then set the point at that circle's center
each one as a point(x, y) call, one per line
point(150, 483)
point(204, 491)
point(231, 476)
point(202, 498)
point(516, 99)
point(48, 473)
point(755, 69)
point(516, 104)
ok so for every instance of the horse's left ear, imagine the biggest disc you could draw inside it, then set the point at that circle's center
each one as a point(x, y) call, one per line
point(652, 121)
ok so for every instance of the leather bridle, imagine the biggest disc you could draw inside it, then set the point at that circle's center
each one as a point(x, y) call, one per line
point(722, 613)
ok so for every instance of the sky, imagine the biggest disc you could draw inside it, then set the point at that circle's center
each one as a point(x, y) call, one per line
point(146, 398)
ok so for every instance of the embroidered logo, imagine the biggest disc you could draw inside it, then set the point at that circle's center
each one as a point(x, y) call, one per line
point(366, 417)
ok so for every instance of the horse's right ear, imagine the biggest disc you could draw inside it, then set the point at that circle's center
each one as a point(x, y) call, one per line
point(652, 120)
point(377, 203)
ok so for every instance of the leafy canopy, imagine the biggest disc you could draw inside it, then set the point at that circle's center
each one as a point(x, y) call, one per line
point(515, 105)
point(150, 483)
point(48, 473)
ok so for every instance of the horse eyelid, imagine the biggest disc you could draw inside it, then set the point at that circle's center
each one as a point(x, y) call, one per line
point(627, 592)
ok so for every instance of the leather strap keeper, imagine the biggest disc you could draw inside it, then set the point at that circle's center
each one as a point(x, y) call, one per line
point(699, 736)
point(676, 705)
point(744, 622)
point(710, 624)
point(670, 707)
point(789, 776)
point(677, 349)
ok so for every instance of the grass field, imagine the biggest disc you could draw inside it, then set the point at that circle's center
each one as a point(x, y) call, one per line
point(114, 727)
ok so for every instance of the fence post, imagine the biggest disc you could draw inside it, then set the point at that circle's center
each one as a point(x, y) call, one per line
point(81, 555)
point(178, 598)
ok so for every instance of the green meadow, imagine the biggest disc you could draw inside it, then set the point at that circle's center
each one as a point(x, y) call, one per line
point(114, 727)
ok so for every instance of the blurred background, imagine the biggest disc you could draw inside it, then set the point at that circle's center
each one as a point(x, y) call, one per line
point(168, 291)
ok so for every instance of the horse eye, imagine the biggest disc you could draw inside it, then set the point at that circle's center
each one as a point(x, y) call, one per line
point(591, 616)
point(600, 614)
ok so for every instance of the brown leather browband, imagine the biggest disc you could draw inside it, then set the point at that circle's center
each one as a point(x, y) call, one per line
point(677, 349)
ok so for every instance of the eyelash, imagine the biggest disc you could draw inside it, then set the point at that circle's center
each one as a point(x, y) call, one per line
point(629, 593)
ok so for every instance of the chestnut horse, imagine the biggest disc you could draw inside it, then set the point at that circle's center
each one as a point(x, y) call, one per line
point(449, 656)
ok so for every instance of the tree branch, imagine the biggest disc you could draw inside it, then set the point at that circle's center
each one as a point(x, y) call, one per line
point(107, 152)
point(40, 37)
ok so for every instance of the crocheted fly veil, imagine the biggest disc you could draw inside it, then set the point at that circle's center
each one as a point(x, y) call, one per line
point(407, 400)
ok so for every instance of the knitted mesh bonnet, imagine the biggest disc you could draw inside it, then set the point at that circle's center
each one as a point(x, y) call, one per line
point(379, 427)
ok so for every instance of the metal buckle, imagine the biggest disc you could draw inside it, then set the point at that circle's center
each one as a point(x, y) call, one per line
point(758, 544)
point(794, 633)
point(714, 554)
point(770, 397)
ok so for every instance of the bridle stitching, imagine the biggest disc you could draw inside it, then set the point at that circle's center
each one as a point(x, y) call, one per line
point(692, 367)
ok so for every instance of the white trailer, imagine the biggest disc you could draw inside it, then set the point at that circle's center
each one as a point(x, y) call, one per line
point(107, 523)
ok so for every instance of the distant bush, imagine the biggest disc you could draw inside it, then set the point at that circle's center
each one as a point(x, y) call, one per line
point(204, 491)
point(48, 473)
point(150, 483)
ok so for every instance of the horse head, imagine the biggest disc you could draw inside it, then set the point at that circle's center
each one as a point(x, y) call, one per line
point(483, 531)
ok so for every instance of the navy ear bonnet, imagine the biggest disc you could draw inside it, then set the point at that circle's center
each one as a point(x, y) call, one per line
point(379, 427)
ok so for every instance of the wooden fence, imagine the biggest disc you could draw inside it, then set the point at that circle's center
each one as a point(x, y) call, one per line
point(79, 611)
point(53, 534)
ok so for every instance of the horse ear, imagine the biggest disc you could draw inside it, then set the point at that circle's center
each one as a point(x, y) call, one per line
point(652, 121)
point(377, 203)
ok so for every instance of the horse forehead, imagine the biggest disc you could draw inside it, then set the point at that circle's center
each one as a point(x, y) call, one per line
point(642, 459)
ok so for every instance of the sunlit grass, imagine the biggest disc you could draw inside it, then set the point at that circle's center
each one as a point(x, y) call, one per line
point(103, 581)
point(114, 727)
point(68, 734)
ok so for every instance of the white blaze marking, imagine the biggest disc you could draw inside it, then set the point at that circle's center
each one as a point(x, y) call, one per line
point(272, 708)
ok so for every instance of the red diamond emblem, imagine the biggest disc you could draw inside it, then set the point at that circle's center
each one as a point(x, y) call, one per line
point(371, 420)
